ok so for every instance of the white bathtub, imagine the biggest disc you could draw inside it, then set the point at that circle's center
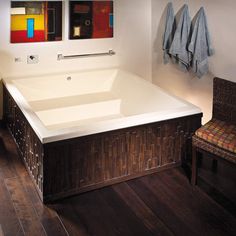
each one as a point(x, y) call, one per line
point(71, 105)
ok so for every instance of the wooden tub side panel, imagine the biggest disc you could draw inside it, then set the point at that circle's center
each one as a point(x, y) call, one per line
point(29, 146)
point(86, 163)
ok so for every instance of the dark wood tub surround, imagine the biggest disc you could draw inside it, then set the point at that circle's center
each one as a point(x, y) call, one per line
point(29, 146)
point(72, 166)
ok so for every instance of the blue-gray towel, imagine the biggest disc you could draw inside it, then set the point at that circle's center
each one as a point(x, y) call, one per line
point(181, 38)
point(170, 27)
point(200, 44)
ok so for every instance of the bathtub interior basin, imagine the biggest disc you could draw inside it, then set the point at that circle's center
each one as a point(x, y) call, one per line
point(76, 104)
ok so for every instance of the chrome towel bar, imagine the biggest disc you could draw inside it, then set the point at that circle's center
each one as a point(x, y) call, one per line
point(62, 57)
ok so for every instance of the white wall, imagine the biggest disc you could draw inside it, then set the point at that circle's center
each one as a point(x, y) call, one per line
point(135, 43)
point(221, 20)
point(131, 42)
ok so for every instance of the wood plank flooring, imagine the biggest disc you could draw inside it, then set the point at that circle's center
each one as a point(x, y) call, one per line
point(160, 204)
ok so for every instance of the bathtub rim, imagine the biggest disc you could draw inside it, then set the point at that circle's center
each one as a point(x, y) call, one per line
point(48, 136)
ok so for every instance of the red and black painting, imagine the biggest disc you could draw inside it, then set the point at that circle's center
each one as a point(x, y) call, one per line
point(91, 19)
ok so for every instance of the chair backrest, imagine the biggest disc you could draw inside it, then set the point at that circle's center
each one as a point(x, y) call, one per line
point(224, 100)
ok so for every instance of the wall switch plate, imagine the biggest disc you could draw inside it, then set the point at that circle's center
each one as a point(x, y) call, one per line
point(32, 59)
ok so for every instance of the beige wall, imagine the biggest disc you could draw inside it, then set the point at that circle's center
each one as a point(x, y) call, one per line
point(135, 42)
point(221, 20)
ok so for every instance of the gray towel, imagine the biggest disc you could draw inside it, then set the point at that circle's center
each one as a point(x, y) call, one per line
point(168, 36)
point(179, 45)
point(200, 45)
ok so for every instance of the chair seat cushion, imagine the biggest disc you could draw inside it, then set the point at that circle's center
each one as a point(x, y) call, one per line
point(219, 133)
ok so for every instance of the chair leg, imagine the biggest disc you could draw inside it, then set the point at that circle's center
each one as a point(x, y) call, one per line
point(194, 166)
point(199, 159)
point(214, 165)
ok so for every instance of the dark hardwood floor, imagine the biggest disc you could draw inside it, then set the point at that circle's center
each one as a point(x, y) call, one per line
point(160, 204)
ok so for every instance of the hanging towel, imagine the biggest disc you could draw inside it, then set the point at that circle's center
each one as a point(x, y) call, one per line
point(200, 45)
point(168, 36)
point(179, 45)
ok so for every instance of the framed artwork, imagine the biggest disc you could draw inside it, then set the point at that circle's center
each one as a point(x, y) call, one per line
point(91, 19)
point(36, 21)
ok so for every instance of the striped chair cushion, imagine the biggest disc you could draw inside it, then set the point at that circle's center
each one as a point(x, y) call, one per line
point(219, 133)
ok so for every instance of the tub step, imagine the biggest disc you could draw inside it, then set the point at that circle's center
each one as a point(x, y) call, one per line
point(80, 112)
point(70, 101)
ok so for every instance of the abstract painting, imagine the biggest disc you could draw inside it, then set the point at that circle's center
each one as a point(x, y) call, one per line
point(36, 21)
point(91, 19)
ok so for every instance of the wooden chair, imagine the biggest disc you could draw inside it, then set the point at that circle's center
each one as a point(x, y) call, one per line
point(217, 138)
